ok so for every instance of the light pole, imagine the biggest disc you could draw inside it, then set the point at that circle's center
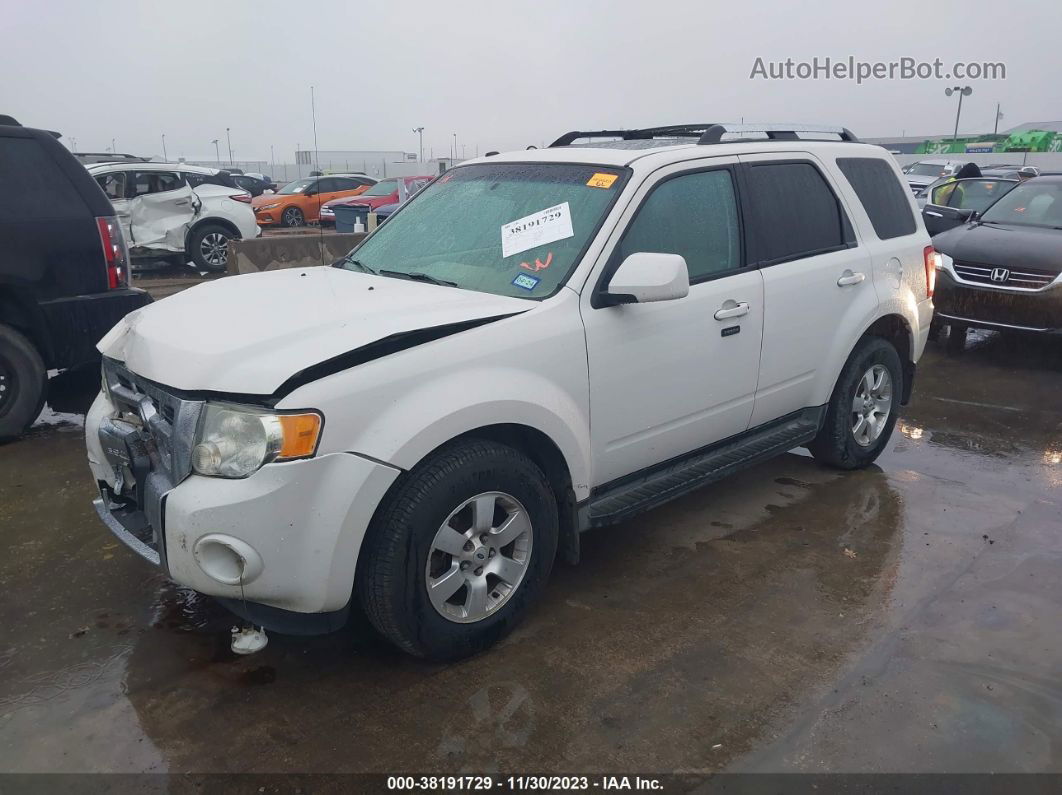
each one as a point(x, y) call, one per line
point(228, 140)
point(164, 156)
point(962, 91)
point(273, 160)
point(217, 152)
point(420, 131)
point(114, 149)
point(453, 154)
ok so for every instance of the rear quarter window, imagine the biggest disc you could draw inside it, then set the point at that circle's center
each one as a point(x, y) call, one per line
point(33, 187)
point(881, 194)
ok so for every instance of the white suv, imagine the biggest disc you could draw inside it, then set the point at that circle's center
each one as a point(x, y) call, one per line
point(537, 344)
point(175, 208)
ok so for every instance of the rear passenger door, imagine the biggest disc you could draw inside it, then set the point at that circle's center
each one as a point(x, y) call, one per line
point(817, 281)
point(161, 209)
point(671, 377)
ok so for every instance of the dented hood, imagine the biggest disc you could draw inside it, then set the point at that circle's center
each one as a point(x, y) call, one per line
point(249, 334)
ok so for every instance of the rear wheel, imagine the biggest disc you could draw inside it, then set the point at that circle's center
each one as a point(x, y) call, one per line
point(292, 216)
point(863, 408)
point(23, 383)
point(210, 247)
point(460, 550)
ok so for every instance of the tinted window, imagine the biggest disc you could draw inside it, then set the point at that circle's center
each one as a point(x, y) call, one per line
point(328, 185)
point(693, 215)
point(113, 184)
point(882, 196)
point(346, 184)
point(33, 186)
point(796, 213)
point(154, 182)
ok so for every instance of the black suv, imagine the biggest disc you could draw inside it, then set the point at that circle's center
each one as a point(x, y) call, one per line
point(63, 269)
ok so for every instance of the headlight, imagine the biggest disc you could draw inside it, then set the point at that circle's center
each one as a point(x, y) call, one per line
point(268, 206)
point(236, 441)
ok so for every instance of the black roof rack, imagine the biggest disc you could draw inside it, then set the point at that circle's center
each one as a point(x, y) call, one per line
point(709, 133)
point(644, 134)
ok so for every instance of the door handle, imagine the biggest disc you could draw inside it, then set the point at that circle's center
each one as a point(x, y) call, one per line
point(934, 214)
point(736, 310)
point(182, 201)
point(848, 278)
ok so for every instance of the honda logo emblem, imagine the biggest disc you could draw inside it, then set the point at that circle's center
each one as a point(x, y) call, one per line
point(1000, 274)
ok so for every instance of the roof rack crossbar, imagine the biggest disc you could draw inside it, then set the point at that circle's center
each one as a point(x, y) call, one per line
point(644, 134)
point(774, 132)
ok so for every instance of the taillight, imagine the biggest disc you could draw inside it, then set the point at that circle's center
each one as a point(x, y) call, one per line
point(241, 197)
point(115, 254)
point(933, 264)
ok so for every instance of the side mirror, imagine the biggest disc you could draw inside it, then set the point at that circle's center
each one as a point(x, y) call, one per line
point(646, 277)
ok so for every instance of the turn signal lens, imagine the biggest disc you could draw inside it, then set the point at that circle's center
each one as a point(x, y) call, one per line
point(933, 264)
point(301, 432)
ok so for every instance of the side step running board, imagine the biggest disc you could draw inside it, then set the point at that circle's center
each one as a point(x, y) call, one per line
point(680, 476)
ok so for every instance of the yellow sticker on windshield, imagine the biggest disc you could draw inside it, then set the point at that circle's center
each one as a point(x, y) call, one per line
point(602, 180)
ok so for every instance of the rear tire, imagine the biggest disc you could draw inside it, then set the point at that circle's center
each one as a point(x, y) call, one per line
point(209, 246)
point(23, 383)
point(956, 342)
point(872, 378)
point(405, 551)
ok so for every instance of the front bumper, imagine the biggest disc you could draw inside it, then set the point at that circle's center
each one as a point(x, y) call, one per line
point(292, 531)
point(978, 306)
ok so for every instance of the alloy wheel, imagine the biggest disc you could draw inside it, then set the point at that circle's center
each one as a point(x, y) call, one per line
point(215, 249)
point(871, 405)
point(479, 557)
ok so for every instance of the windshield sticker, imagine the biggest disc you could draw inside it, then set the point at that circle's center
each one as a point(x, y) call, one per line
point(602, 180)
point(539, 264)
point(526, 282)
point(537, 229)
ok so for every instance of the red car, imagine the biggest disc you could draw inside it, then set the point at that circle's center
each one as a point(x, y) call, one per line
point(393, 190)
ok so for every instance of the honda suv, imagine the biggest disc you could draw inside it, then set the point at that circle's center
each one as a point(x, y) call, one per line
point(536, 344)
point(63, 276)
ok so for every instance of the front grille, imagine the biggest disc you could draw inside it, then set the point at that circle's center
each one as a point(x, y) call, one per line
point(147, 444)
point(1023, 279)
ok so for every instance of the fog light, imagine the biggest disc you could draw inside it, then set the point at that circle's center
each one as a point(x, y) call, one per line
point(227, 560)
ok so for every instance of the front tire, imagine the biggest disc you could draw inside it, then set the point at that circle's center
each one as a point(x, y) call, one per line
point(459, 551)
point(23, 383)
point(210, 247)
point(292, 216)
point(863, 407)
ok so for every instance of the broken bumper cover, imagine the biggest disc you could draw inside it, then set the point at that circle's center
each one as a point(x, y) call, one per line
point(292, 531)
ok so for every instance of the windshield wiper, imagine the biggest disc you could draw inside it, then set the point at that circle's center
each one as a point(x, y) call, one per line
point(348, 260)
point(416, 276)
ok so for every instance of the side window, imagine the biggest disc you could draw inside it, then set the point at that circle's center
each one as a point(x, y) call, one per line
point(346, 184)
point(34, 187)
point(113, 184)
point(694, 215)
point(795, 212)
point(194, 180)
point(328, 185)
point(145, 182)
point(884, 199)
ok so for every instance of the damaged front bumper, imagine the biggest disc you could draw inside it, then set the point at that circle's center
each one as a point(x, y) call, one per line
point(282, 541)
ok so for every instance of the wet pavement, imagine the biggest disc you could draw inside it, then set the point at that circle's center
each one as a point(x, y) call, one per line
point(903, 618)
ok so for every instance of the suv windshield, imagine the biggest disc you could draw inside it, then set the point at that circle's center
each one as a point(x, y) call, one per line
point(927, 170)
point(382, 188)
point(298, 186)
point(513, 229)
point(1029, 205)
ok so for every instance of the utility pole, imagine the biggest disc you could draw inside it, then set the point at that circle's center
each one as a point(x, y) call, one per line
point(995, 130)
point(164, 156)
point(273, 160)
point(228, 140)
point(420, 132)
point(114, 149)
point(453, 154)
point(298, 163)
point(962, 91)
point(217, 152)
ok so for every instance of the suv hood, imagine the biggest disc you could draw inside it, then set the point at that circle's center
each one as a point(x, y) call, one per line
point(1004, 246)
point(249, 334)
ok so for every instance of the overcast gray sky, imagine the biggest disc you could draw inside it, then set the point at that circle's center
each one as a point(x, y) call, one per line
point(500, 74)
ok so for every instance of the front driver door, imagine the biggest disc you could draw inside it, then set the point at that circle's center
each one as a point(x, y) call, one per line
point(668, 378)
point(952, 203)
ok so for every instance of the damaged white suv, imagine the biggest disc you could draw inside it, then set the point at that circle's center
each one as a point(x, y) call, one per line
point(537, 344)
point(168, 209)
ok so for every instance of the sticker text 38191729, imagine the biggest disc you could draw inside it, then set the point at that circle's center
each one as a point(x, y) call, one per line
point(537, 229)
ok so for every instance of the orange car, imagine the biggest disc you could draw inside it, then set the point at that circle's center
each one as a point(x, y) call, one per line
point(299, 202)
